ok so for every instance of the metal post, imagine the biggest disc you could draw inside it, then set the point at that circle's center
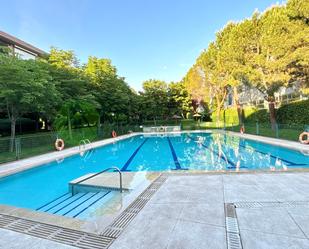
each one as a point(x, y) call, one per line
point(257, 128)
point(277, 131)
point(17, 148)
point(120, 180)
point(224, 119)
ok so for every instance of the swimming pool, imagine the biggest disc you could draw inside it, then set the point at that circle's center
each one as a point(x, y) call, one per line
point(45, 188)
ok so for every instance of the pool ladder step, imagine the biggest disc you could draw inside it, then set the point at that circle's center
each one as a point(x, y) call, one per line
point(73, 205)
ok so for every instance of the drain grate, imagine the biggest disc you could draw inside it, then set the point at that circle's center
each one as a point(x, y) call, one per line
point(232, 230)
point(270, 204)
point(58, 234)
point(115, 229)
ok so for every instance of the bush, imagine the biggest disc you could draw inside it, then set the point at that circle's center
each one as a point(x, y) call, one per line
point(294, 113)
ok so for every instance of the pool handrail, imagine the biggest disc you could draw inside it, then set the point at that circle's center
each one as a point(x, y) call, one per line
point(96, 174)
point(83, 142)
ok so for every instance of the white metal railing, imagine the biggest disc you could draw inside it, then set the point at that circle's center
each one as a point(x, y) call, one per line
point(83, 144)
point(99, 173)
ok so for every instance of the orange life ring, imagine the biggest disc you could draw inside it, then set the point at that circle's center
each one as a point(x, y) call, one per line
point(302, 138)
point(114, 134)
point(242, 130)
point(59, 144)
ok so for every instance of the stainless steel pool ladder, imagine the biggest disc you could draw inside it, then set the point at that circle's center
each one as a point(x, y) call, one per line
point(83, 144)
point(99, 173)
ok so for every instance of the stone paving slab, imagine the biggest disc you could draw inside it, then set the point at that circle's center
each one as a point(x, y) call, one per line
point(193, 206)
point(259, 240)
point(14, 240)
point(268, 220)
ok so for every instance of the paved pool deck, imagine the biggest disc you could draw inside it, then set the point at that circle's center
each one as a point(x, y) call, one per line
point(187, 211)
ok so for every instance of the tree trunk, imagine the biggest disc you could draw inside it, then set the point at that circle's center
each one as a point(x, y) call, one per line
point(13, 127)
point(99, 126)
point(272, 114)
point(238, 106)
point(69, 125)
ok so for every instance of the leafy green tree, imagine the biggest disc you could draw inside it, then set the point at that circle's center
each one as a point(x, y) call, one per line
point(74, 89)
point(271, 60)
point(179, 101)
point(155, 99)
point(63, 59)
point(111, 91)
point(298, 54)
point(214, 76)
point(25, 87)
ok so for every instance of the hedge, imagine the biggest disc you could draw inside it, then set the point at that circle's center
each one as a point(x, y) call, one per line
point(294, 113)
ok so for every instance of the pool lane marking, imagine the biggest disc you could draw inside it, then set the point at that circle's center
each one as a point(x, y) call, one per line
point(91, 204)
point(69, 203)
point(58, 203)
point(274, 157)
point(54, 201)
point(211, 150)
point(81, 203)
point(126, 165)
point(177, 164)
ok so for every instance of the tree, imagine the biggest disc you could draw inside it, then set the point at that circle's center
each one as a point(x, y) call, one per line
point(231, 42)
point(111, 91)
point(270, 61)
point(179, 102)
point(298, 54)
point(214, 76)
point(25, 87)
point(155, 99)
point(73, 86)
point(63, 59)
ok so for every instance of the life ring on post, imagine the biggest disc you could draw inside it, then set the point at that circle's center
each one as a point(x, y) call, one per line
point(59, 144)
point(242, 129)
point(114, 134)
point(302, 138)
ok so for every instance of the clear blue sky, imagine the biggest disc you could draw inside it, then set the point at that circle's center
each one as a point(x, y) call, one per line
point(144, 38)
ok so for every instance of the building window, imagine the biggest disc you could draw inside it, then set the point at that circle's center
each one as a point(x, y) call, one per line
point(23, 54)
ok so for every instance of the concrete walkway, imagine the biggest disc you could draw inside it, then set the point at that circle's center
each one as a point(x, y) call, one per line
point(188, 212)
point(13, 240)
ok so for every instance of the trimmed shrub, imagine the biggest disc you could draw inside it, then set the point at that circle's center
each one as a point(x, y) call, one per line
point(294, 113)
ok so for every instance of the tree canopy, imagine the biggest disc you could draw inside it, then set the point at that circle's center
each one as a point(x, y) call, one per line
point(266, 52)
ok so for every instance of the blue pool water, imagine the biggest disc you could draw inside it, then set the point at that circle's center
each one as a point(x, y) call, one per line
point(190, 151)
